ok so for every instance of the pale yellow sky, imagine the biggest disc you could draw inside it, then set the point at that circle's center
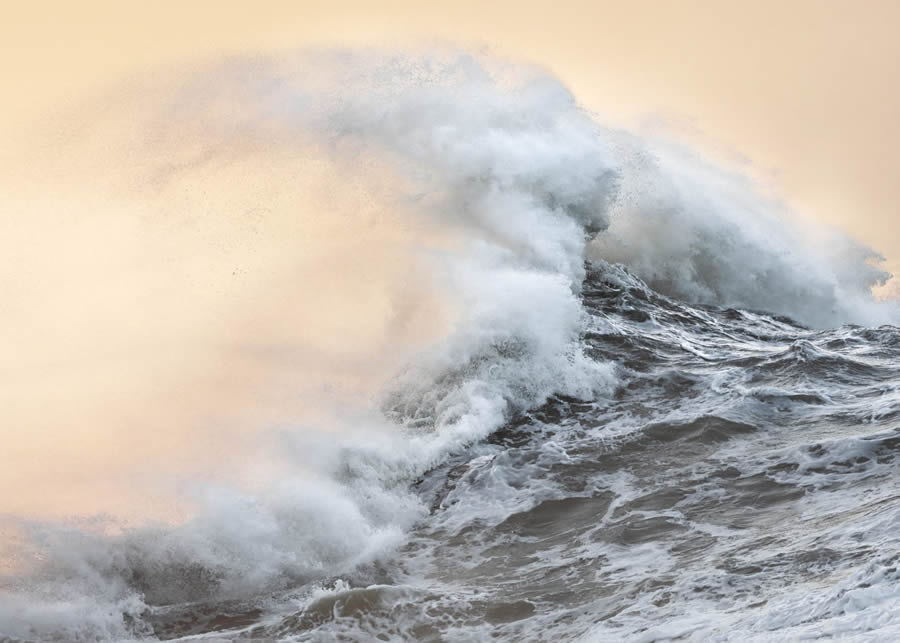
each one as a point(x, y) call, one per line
point(102, 362)
point(805, 88)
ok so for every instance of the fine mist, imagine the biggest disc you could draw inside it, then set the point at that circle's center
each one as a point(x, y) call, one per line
point(263, 296)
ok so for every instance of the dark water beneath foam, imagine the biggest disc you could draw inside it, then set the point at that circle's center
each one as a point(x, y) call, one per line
point(741, 485)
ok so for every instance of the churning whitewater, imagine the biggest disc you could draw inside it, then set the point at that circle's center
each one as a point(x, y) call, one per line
point(646, 403)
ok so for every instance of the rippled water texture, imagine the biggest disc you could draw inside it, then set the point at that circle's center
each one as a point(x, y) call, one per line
point(740, 485)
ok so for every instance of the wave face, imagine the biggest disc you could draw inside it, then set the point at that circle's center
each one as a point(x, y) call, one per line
point(659, 406)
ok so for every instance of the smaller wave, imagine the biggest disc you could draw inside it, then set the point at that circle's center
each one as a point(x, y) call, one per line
point(706, 235)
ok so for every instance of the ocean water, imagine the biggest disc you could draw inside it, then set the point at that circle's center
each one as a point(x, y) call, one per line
point(664, 407)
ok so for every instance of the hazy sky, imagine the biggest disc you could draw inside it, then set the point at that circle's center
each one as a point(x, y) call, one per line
point(106, 335)
point(806, 89)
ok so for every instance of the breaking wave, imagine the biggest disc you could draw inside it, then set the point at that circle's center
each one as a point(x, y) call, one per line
point(513, 193)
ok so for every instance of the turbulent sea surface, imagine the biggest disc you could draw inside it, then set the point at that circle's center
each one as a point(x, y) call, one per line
point(739, 484)
point(663, 410)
